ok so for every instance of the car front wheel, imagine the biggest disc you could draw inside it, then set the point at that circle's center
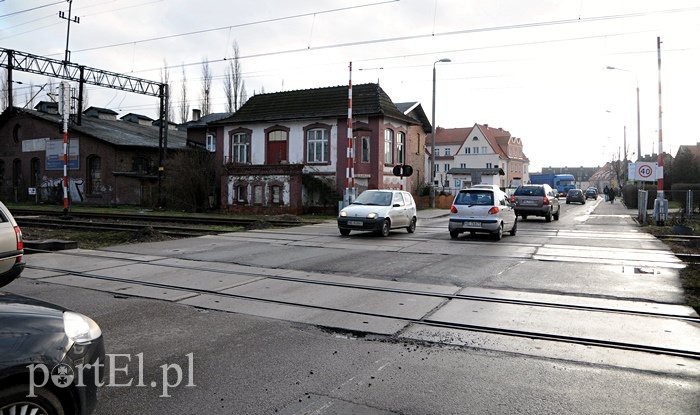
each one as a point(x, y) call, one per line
point(454, 234)
point(556, 215)
point(385, 228)
point(344, 232)
point(14, 400)
point(514, 229)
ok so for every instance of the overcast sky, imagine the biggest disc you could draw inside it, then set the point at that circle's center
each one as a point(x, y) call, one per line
point(535, 68)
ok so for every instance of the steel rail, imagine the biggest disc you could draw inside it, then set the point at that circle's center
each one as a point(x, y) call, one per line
point(445, 296)
point(160, 218)
point(421, 321)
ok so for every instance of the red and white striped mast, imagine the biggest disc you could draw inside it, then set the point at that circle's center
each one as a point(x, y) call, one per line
point(350, 166)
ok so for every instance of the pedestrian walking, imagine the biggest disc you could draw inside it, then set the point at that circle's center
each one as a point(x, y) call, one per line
point(606, 191)
point(611, 194)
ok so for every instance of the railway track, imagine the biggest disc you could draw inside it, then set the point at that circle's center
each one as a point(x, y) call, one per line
point(211, 221)
point(417, 321)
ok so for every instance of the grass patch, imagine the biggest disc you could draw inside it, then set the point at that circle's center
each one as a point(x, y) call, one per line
point(92, 239)
point(690, 275)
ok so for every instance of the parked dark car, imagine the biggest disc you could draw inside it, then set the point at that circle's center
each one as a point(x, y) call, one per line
point(536, 200)
point(592, 193)
point(49, 337)
point(575, 195)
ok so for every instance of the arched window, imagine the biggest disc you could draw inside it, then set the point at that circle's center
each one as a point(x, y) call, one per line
point(400, 147)
point(17, 173)
point(94, 175)
point(35, 172)
point(388, 146)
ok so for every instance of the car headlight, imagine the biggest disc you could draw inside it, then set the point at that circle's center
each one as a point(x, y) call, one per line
point(80, 328)
point(371, 215)
point(343, 214)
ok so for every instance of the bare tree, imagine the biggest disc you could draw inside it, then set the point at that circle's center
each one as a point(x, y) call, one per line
point(51, 90)
point(184, 105)
point(228, 89)
point(206, 87)
point(165, 79)
point(29, 97)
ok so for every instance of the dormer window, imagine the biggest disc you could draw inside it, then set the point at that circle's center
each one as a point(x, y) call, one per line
point(475, 138)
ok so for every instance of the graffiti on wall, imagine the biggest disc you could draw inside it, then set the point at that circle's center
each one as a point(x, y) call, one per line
point(51, 189)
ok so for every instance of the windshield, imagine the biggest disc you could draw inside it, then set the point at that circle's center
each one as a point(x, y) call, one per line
point(529, 191)
point(374, 199)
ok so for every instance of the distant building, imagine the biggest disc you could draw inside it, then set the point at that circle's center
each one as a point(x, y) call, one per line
point(110, 161)
point(478, 154)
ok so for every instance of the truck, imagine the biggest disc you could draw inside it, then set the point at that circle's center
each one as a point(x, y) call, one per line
point(560, 182)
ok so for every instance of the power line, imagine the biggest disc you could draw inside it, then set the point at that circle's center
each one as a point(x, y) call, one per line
point(276, 19)
point(33, 8)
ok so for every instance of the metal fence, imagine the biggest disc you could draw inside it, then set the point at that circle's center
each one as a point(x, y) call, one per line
point(684, 203)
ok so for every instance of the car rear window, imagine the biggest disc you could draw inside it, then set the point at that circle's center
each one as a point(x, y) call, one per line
point(474, 197)
point(529, 191)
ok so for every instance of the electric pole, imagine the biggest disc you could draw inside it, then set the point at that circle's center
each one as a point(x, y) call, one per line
point(75, 19)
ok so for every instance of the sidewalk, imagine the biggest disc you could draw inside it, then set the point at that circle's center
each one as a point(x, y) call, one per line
point(615, 208)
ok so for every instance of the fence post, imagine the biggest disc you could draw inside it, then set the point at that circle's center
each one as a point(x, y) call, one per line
point(642, 197)
point(689, 204)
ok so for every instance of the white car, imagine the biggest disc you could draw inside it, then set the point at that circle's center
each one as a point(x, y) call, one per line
point(379, 211)
point(484, 210)
point(11, 247)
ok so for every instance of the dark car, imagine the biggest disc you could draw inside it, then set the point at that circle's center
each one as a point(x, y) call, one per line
point(44, 344)
point(575, 195)
point(536, 200)
point(592, 193)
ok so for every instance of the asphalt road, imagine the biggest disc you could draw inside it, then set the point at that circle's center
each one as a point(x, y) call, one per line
point(280, 326)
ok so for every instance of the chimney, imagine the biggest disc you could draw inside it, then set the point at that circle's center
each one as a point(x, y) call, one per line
point(196, 114)
point(486, 125)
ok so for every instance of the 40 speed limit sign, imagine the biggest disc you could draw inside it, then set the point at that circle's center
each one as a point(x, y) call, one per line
point(643, 171)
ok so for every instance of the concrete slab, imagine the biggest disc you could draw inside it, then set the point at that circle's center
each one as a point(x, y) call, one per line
point(89, 283)
point(340, 298)
point(612, 281)
point(580, 301)
point(299, 314)
point(608, 255)
point(305, 275)
point(462, 246)
point(626, 359)
point(35, 274)
point(623, 328)
point(66, 260)
point(121, 288)
point(177, 277)
point(131, 256)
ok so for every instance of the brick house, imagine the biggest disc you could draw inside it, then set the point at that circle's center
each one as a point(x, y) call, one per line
point(110, 161)
point(286, 151)
point(480, 154)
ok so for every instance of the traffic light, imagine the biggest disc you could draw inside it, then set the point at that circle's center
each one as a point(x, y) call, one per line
point(403, 170)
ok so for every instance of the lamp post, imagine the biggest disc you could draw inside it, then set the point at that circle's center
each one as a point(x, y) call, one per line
point(432, 146)
point(639, 135)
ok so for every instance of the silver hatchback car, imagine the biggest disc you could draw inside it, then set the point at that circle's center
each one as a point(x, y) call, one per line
point(484, 210)
point(379, 211)
point(11, 247)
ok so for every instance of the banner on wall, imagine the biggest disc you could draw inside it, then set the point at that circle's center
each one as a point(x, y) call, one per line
point(54, 155)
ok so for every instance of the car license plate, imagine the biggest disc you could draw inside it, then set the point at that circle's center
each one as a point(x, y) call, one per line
point(355, 223)
point(471, 224)
point(529, 202)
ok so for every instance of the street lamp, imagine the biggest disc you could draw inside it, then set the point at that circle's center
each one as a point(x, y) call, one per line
point(432, 146)
point(639, 135)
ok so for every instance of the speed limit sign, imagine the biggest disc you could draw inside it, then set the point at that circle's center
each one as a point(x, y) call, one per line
point(643, 171)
